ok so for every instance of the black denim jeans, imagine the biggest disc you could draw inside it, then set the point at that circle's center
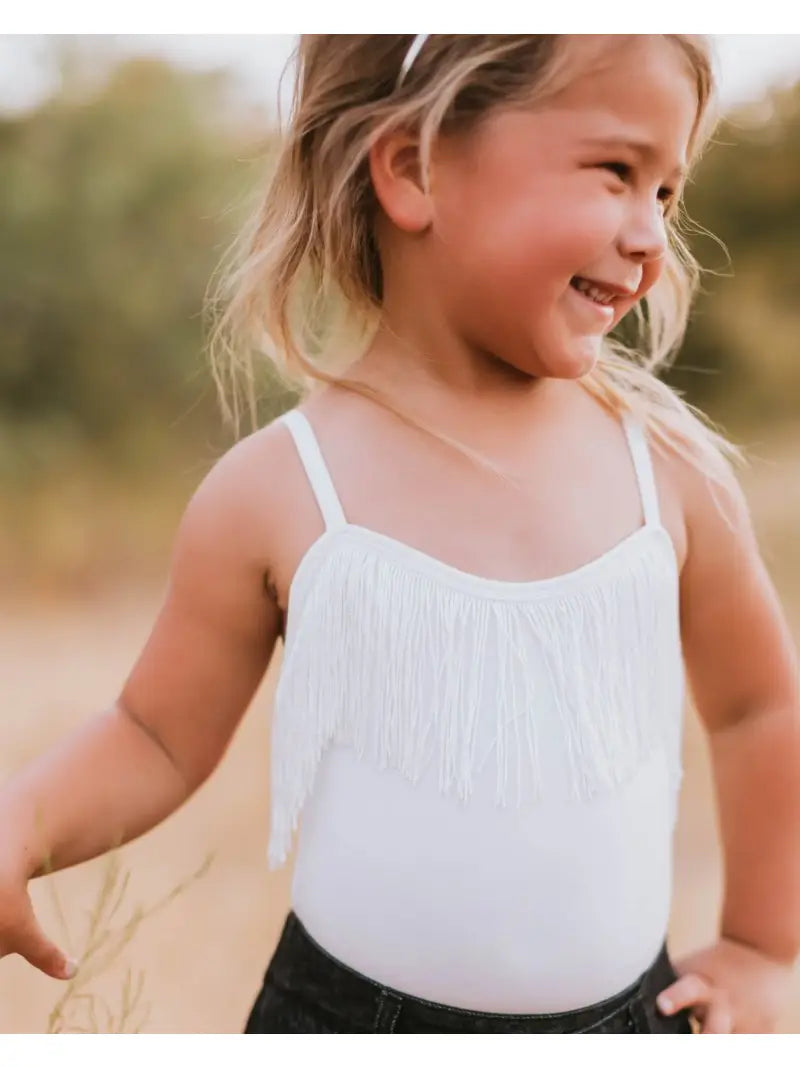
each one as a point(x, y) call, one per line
point(308, 991)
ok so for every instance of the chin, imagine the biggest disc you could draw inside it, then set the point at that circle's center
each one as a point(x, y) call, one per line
point(574, 364)
point(567, 356)
point(567, 361)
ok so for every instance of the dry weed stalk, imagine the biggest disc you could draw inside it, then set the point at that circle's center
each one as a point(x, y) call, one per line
point(101, 947)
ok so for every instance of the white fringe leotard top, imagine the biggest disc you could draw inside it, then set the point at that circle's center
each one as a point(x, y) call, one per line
point(488, 770)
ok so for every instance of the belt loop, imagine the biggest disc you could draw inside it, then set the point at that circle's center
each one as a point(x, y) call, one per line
point(389, 1006)
point(638, 1014)
point(643, 1000)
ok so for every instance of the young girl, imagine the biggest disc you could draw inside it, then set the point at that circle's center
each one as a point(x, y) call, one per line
point(490, 537)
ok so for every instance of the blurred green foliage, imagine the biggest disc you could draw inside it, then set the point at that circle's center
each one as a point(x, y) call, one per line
point(745, 326)
point(116, 202)
point(118, 197)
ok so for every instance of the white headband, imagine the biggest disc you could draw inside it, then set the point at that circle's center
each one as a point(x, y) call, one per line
point(410, 56)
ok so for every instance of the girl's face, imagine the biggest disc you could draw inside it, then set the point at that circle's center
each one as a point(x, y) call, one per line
point(535, 199)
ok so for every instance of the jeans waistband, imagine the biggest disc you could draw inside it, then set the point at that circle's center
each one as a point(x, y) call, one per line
point(303, 967)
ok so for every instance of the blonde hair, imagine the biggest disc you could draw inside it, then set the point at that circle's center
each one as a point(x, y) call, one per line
point(306, 266)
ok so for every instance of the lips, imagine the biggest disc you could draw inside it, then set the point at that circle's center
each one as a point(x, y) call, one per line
point(600, 312)
point(592, 292)
point(610, 289)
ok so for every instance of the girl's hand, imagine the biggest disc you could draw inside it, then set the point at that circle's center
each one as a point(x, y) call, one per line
point(730, 988)
point(20, 931)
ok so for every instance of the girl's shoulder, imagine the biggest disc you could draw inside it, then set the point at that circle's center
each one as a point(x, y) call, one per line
point(253, 477)
point(262, 480)
point(706, 498)
point(736, 639)
point(265, 465)
point(701, 501)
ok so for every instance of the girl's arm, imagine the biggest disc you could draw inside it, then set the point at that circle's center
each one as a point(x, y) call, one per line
point(746, 686)
point(128, 768)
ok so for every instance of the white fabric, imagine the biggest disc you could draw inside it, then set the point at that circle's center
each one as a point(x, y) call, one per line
point(488, 771)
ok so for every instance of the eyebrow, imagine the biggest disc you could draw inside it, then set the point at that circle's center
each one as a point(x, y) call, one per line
point(643, 148)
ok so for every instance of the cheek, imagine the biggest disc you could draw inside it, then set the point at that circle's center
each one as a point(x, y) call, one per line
point(526, 231)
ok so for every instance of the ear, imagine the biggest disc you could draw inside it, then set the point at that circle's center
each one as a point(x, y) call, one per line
point(395, 170)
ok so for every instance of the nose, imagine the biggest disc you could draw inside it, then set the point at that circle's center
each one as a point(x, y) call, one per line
point(644, 235)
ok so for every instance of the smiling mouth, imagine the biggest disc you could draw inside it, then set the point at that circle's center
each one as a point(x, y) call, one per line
point(596, 293)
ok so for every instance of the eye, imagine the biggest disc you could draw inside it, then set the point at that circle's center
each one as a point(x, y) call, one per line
point(622, 170)
point(666, 196)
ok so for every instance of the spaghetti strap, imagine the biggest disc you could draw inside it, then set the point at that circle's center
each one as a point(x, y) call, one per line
point(315, 467)
point(643, 464)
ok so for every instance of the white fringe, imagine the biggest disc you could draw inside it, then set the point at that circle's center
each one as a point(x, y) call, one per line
point(390, 661)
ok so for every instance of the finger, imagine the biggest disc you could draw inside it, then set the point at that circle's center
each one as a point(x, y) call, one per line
point(33, 945)
point(690, 989)
point(719, 1017)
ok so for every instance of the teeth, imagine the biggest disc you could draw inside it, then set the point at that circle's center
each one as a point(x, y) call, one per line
point(600, 296)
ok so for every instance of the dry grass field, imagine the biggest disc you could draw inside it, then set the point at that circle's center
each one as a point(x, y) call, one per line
point(203, 955)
